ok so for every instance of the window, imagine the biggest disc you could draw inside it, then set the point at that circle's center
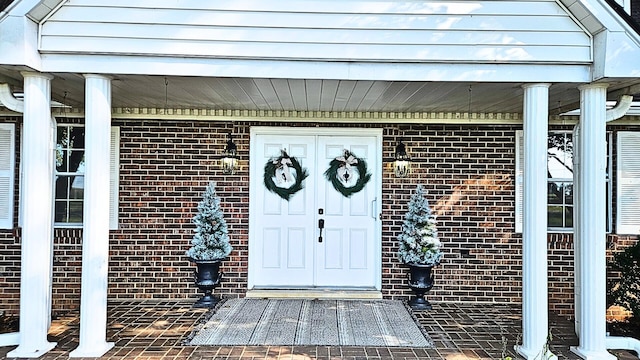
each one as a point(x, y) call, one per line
point(70, 172)
point(69, 175)
point(560, 187)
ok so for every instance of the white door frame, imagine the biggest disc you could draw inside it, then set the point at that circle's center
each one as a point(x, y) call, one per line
point(255, 179)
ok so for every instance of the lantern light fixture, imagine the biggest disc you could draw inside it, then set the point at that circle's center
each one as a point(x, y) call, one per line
point(230, 156)
point(401, 163)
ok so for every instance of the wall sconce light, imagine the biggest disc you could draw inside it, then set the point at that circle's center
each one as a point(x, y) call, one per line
point(230, 157)
point(401, 163)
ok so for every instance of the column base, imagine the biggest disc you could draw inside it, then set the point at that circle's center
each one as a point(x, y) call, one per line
point(93, 350)
point(535, 353)
point(30, 350)
point(592, 355)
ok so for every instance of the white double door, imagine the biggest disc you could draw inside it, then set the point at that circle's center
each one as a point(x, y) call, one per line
point(319, 237)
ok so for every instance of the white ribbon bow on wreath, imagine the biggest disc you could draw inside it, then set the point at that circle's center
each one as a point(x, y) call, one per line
point(340, 173)
point(284, 175)
point(283, 170)
point(345, 171)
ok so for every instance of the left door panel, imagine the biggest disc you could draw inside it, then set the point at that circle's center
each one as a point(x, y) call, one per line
point(282, 254)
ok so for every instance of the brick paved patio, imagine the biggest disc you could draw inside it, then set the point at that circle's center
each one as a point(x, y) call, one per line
point(157, 330)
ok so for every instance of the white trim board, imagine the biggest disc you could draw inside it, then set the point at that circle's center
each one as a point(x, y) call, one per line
point(309, 201)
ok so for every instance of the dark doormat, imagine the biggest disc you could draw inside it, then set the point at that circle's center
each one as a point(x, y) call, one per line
point(311, 322)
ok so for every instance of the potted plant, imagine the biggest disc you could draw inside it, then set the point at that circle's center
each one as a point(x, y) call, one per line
point(209, 246)
point(419, 247)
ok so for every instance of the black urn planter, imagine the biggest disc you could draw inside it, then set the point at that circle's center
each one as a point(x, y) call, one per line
point(420, 281)
point(207, 277)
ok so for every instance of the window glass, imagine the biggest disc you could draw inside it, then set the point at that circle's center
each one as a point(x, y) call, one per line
point(560, 150)
point(560, 156)
point(560, 186)
point(560, 180)
point(70, 167)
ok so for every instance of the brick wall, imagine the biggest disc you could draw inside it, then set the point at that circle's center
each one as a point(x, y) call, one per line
point(467, 172)
point(9, 271)
point(164, 168)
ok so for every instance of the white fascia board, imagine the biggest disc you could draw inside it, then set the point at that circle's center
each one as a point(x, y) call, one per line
point(19, 42)
point(170, 66)
point(622, 56)
point(616, 55)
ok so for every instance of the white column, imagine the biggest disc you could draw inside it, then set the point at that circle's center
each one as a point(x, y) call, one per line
point(37, 225)
point(534, 233)
point(591, 226)
point(95, 242)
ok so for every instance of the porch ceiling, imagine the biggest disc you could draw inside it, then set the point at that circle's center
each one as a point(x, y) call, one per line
point(138, 91)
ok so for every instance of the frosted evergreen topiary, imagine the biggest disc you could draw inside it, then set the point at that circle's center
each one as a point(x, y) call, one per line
point(419, 243)
point(211, 241)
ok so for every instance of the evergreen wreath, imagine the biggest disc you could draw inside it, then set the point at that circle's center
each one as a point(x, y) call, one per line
point(340, 168)
point(280, 167)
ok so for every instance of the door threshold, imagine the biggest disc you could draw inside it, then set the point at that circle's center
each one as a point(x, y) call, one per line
point(320, 293)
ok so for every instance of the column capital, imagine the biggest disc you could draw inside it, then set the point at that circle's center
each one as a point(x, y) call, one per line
point(97, 76)
point(26, 74)
point(593, 86)
point(530, 85)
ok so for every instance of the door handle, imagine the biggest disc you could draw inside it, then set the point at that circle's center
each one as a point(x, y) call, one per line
point(320, 226)
point(374, 202)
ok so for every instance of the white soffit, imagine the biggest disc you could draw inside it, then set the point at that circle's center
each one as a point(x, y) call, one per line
point(583, 15)
point(43, 9)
